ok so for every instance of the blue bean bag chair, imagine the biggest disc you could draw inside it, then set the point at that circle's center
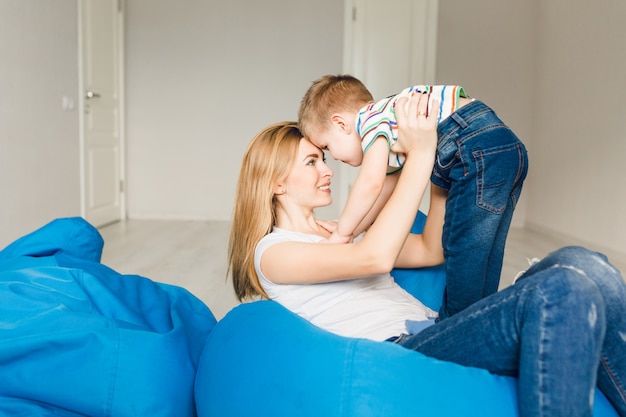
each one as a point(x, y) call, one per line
point(79, 339)
point(262, 360)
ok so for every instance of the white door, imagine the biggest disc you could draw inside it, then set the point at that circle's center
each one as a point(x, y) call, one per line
point(101, 122)
point(389, 45)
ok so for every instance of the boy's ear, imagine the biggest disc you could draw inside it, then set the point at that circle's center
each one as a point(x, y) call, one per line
point(339, 121)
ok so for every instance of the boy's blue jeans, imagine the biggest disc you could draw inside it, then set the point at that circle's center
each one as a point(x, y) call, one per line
point(561, 329)
point(482, 164)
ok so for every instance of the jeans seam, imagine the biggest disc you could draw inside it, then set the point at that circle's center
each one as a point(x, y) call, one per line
point(486, 309)
point(543, 406)
point(468, 120)
point(466, 137)
point(609, 370)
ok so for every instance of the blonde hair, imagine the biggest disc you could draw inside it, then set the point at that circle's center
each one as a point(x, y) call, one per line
point(268, 159)
point(329, 95)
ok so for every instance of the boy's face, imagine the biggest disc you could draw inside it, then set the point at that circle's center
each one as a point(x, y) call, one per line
point(344, 146)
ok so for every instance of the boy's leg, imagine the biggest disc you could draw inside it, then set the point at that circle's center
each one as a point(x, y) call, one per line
point(483, 164)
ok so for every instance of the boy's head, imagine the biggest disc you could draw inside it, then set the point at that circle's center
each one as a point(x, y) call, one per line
point(327, 114)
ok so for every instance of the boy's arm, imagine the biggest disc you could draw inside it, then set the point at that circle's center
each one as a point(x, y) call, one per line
point(365, 190)
point(426, 249)
point(388, 186)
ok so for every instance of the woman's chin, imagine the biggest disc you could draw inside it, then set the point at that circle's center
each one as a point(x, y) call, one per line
point(326, 203)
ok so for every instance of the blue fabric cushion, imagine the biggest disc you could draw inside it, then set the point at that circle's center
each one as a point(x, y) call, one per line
point(263, 360)
point(425, 284)
point(72, 236)
point(77, 338)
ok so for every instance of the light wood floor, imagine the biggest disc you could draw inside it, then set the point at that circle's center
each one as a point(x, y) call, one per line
point(192, 254)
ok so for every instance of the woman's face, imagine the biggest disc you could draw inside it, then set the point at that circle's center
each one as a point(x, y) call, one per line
point(308, 183)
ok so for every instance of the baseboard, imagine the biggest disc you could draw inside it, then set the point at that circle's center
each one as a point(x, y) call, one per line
point(170, 216)
point(616, 256)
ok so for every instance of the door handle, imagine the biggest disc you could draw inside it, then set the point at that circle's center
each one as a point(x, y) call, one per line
point(91, 94)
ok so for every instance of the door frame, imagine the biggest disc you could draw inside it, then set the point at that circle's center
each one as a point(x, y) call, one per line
point(421, 65)
point(81, 108)
point(425, 14)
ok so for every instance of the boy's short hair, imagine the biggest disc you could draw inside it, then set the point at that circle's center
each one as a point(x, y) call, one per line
point(328, 95)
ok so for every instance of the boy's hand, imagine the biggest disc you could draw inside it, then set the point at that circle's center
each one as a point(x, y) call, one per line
point(337, 238)
point(328, 225)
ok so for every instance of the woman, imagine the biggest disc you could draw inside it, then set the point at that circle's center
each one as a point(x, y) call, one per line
point(560, 329)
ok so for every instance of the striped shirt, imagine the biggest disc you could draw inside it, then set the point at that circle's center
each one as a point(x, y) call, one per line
point(379, 118)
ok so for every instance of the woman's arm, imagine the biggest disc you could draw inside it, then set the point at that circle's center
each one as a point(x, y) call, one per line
point(425, 249)
point(297, 262)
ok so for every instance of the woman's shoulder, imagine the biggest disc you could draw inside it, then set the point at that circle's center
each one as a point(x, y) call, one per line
point(278, 235)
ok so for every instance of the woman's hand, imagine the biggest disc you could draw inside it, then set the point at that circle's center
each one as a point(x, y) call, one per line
point(417, 124)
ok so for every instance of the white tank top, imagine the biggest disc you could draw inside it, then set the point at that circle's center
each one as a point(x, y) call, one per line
point(372, 307)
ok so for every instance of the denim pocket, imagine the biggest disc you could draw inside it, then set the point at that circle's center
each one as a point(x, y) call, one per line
point(499, 173)
point(447, 157)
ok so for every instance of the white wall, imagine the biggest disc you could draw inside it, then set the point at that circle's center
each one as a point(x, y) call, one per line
point(202, 77)
point(579, 182)
point(555, 72)
point(488, 48)
point(39, 166)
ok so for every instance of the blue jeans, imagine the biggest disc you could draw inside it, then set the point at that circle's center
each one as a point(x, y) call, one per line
point(482, 164)
point(561, 329)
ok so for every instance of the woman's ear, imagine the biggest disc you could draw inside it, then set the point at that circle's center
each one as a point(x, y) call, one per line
point(279, 189)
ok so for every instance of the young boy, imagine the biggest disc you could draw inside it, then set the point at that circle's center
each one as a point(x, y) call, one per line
point(480, 162)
